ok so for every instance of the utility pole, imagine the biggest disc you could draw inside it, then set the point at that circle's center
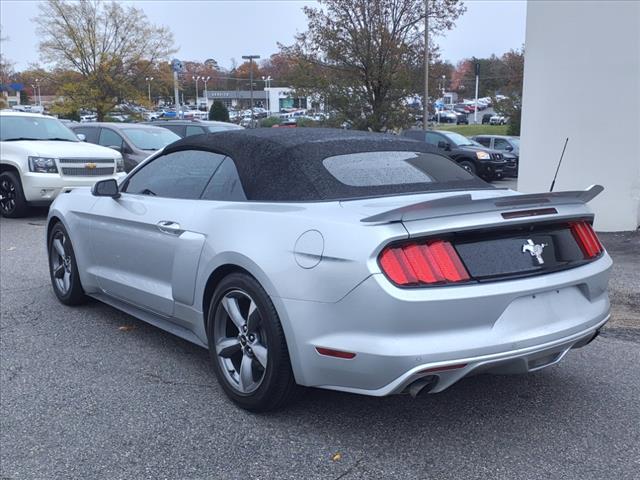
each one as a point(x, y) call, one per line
point(206, 96)
point(251, 58)
point(425, 113)
point(267, 85)
point(475, 110)
point(196, 79)
point(148, 80)
point(176, 66)
point(38, 96)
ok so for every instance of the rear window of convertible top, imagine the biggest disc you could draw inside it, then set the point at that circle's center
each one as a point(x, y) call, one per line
point(394, 168)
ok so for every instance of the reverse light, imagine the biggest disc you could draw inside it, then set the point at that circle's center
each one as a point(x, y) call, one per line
point(423, 263)
point(586, 239)
point(483, 156)
point(42, 165)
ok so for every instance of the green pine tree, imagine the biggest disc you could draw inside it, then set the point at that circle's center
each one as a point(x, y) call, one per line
point(218, 112)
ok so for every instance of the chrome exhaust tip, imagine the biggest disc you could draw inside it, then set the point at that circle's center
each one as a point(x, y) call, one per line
point(424, 384)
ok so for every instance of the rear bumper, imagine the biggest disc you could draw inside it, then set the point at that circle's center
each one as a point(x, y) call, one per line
point(396, 334)
point(43, 188)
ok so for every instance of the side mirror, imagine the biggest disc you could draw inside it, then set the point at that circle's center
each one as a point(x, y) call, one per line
point(444, 145)
point(81, 136)
point(105, 188)
point(509, 148)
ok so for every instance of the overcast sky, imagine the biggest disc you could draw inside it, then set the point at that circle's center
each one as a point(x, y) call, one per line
point(229, 29)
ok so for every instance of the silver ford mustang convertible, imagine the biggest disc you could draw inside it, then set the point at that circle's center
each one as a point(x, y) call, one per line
point(350, 261)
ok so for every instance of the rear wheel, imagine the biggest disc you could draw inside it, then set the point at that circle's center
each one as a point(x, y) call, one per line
point(247, 345)
point(469, 166)
point(63, 268)
point(12, 201)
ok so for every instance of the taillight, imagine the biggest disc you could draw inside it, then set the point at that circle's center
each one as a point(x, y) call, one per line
point(586, 239)
point(423, 263)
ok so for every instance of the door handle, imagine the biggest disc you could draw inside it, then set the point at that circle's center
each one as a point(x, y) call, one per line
point(167, 226)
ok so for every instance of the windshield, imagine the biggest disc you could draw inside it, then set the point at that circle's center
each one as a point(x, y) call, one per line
point(458, 139)
point(18, 127)
point(150, 138)
point(515, 141)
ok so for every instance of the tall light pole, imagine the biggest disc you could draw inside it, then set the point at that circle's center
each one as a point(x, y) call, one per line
point(148, 80)
point(206, 99)
point(196, 79)
point(425, 113)
point(251, 58)
point(37, 80)
point(267, 85)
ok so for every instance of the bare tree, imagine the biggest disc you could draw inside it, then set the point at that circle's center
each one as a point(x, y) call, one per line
point(108, 44)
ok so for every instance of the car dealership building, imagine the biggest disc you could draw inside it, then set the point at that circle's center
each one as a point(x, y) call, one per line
point(582, 47)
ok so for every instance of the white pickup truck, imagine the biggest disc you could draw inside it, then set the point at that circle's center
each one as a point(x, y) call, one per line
point(39, 157)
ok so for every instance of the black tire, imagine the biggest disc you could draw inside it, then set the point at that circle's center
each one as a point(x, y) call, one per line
point(74, 294)
point(277, 385)
point(469, 166)
point(13, 203)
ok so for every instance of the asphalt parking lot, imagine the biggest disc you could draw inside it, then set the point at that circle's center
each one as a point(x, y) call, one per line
point(90, 392)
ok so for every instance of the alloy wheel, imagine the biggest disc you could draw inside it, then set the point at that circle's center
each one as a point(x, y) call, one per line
point(60, 263)
point(7, 195)
point(240, 341)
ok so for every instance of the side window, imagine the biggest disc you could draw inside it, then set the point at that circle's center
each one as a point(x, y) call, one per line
point(225, 184)
point(109, 138)
point(183, 174)
point(500, 144)
point(177, 129)
point(194, 130)
point(91, 134)
point(433, 138)
point(484, 141)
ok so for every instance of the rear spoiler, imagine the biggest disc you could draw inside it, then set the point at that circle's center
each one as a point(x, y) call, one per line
point(463, 204)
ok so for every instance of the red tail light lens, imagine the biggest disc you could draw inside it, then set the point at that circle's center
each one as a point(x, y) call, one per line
point(423, 264)
point(587, 239)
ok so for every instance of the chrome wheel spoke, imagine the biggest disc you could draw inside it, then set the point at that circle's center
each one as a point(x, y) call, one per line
point(66, 281)
point(231, 306)
point(253, 318)
point(246, 374)
point(227, 347)
point(260, 354)
point(57, 244)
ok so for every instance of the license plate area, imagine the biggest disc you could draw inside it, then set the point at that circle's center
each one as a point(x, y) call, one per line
point(518, 253)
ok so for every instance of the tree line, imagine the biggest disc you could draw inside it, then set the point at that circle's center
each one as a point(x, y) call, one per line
point(362, 58)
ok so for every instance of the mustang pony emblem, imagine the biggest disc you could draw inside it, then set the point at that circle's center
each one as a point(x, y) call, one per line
point(90, 166)
point(535, 250)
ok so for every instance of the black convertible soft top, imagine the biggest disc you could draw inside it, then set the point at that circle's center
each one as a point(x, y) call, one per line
point(285, 164)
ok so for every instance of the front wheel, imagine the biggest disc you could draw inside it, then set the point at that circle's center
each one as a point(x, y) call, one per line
point(247, 345)
point(12, 201)
point(469, 166)
point(63, 268)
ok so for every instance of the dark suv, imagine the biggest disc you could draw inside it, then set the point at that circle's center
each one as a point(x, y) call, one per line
point(508, 145)
point(484, 162)
point(186, 128)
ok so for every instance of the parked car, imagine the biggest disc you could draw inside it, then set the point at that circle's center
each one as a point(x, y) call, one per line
point(462, 119)
point(134, 141)
point(40, 157)
point(185, 128)
point(471, 156)
point(486, 117)
point(497, 119)
point(350, 261)
point(508, 145)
